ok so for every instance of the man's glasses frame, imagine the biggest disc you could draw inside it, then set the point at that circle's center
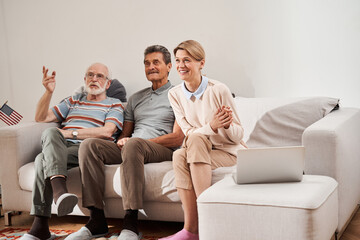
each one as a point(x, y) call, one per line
point(99, 76)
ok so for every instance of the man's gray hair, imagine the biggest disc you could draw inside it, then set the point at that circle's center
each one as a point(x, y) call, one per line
point(161, 49)
point(108, 70)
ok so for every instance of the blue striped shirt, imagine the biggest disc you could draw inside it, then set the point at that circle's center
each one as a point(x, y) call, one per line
point(76, 112)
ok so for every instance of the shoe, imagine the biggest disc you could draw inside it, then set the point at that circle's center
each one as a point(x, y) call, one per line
point(66, 203)
point(28, 236)
point(83, 234)
point(182, 235)
point(129, 235)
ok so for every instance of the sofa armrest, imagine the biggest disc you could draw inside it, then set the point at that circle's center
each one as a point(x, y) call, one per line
point(19, 144)
point(332, 148)
point(336, 137)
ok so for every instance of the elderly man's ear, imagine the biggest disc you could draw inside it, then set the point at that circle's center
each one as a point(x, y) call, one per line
point(108, 84)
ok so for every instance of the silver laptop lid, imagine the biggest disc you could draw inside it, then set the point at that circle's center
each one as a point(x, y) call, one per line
point(270, 165)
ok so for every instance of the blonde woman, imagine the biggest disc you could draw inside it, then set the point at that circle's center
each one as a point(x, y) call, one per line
point(205, 110)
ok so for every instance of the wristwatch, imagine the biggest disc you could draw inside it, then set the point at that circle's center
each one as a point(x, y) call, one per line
point(75, 134)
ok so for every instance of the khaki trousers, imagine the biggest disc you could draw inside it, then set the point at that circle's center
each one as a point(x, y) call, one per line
point(197, 148)
point(56, 157)
point(95, 153)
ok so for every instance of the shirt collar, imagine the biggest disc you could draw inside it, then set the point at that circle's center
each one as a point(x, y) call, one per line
point(199, 92)
point(162, 88)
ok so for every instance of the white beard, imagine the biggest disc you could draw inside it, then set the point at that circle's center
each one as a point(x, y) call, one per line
point(98, 91)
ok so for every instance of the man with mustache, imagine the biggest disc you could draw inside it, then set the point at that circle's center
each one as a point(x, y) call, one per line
point(82, 116)
point(150, 134)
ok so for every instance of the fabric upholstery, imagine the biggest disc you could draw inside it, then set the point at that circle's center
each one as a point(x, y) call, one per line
point(333, 149)
point(295, 211)
point(117, 90)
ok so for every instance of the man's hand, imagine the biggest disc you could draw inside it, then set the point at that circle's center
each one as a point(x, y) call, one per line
point(121, 142)
point(106, 132)
point(49, 81)
point(65, 133)
point(222, 119)
point(43, 113)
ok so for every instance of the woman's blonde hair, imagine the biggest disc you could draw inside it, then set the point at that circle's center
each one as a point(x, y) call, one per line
point(193, 48)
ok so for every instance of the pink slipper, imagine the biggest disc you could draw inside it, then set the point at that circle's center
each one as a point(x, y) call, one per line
point(182, 235)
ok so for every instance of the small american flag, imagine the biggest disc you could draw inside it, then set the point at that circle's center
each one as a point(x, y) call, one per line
point(9, 115)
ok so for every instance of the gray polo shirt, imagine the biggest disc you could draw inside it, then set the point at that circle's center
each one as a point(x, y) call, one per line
point(151, 112)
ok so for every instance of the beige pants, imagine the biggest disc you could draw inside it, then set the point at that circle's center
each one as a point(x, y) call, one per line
point(197, 148)
point(95, 153)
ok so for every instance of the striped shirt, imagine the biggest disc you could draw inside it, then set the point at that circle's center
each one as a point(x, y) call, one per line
point(76, 112)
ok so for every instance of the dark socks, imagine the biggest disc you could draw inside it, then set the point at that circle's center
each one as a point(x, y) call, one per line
point(58, 185)
point(97, 223)
point(131, 220)
point(40, 227)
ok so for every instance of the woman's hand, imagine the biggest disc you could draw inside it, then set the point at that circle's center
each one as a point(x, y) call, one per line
point(222, 119)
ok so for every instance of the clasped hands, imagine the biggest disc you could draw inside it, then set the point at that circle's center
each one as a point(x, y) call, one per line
point(222, 119)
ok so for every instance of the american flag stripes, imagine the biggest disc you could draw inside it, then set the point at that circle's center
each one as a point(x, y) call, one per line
point(9, 115)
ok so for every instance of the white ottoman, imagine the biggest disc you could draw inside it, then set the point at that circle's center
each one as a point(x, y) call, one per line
point(306, 210)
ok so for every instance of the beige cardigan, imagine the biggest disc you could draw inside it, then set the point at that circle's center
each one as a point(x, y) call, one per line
point(194, 115)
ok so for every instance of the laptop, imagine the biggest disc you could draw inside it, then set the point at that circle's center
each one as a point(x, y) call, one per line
point(270, 165)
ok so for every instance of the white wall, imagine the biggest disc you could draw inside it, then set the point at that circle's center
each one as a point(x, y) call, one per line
point(259, 48)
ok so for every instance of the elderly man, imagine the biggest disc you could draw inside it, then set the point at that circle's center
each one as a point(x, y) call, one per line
point(91, 115)
point(150, 134)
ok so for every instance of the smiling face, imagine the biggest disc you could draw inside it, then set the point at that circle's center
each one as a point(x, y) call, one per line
point(156, 69)
point(96, 81)
point(189, 68)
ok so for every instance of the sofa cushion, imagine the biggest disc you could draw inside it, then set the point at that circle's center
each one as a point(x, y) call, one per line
point(275, 122)
point(117, 90)
point(159, 180)
point(297, 211)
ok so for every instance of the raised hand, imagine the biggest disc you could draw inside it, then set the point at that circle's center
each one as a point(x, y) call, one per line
point(222, 118)
point(49, 81)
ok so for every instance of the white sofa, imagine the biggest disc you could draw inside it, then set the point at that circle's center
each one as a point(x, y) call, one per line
point(332, 146)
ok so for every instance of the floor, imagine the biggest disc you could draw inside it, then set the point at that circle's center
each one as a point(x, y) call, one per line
point(149, 228)
point(352, 232)
point(156, 228)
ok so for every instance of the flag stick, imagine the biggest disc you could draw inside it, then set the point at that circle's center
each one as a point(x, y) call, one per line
point(4, 103)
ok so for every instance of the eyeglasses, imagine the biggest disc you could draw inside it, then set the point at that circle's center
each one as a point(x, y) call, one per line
point(99, 76)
